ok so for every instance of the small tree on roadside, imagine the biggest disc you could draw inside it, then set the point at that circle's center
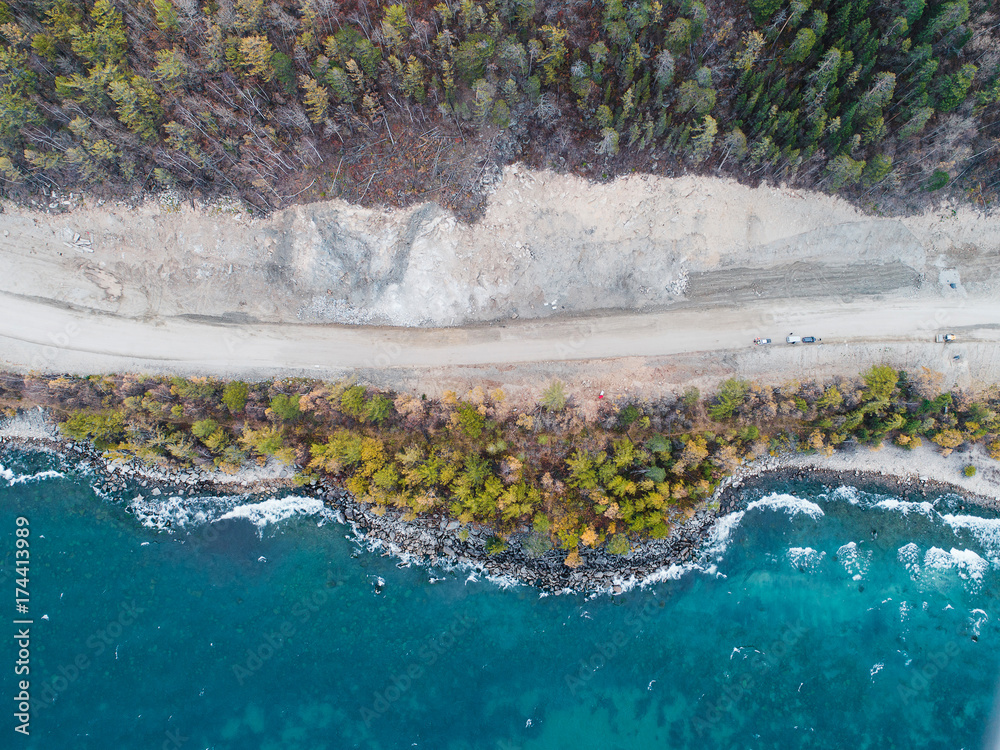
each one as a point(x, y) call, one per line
point(235, 396)
point(554, 397)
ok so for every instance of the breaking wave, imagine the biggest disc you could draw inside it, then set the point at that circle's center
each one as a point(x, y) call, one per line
point(12, 478)
point(176, 513)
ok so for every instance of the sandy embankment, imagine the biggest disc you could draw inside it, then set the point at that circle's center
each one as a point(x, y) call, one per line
point(637, 287)
point(920, 465)
point(547, 245)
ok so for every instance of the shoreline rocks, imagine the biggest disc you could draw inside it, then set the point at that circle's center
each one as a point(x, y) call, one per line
point(442, 540)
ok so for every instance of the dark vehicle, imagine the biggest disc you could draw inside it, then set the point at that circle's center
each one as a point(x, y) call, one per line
point(810, 339)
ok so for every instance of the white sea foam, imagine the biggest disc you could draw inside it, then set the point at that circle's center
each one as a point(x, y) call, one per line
point(804, 558)
point(876, 669)
point(719, 536)
point(909, 555)
point(968, 565)
point(905, 507)
point(854, 560)
point(668, 573)
point(789, 503)
point(721, 532)
point(13, 479)
point(846, 493)
point(671, 572)
point(176, 512)
point(504, 582)
point(986, 531)
point(977, 619)
point(277, 509)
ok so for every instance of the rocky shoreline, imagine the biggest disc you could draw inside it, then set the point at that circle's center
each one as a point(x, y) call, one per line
point(440, 540)
point(437, 540)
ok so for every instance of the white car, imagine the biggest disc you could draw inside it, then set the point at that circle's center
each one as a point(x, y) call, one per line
point(760, 342)
point(790, 339)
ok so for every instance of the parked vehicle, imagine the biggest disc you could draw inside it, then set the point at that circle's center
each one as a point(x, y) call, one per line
point(760, 342)
point(810, 339)
point(944, 338)
point(791, 339)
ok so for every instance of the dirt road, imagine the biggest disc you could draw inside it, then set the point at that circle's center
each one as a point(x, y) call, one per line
point(49, 337)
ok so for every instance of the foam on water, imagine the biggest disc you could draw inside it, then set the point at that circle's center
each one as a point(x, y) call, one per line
point(986, 531)
point(854, 560)
point(905, 507)
point(276, 510)
point(178, 513)
point(721, 532)
point(909, 555)
point(13, 479)
point(845, 493)
point(719, 536)
point(181, 513)
point(670, 572)
point(789, 503)
point(968, 565)
point(804, 558)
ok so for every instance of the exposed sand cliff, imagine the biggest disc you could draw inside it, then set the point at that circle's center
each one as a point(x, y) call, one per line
point(547, 244)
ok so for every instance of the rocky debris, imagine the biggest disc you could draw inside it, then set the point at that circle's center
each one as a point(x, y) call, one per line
point(435, 540)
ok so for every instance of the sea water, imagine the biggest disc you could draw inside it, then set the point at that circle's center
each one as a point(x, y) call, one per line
point(818, 617)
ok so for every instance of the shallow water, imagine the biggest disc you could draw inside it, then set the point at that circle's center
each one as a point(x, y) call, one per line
point(822, 619)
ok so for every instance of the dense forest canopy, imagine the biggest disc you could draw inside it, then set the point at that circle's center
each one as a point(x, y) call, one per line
point(302, 99)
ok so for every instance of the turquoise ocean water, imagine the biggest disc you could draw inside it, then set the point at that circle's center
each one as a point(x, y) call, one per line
point(823, 618)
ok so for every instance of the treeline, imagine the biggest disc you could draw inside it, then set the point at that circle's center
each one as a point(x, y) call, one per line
point(253, 98)
point(635, 472)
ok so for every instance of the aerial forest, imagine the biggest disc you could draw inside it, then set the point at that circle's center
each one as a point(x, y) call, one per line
point(886, 101)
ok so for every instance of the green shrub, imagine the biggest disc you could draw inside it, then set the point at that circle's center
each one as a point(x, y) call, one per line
point(729, 398)
point(286, 406)
point(235, 396)
point(378, 409)
point(352, 402)
point(660, 531)
point(619, 545)
point(204, 428)
point(969, 471)
point(937, 181)
point(762, 10)
point(105, 429)
point(495, 545)
point(628, 415)
point(541, 523)
point(656, 474)
point(470, 420)
point(554, 397)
